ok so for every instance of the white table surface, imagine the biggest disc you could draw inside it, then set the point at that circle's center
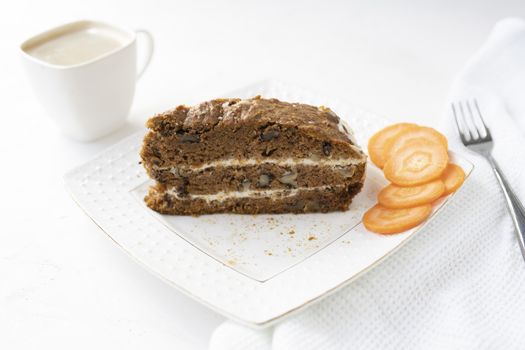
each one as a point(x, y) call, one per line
point(63, 283)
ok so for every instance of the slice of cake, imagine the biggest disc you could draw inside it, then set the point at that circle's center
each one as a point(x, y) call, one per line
point(250, 157)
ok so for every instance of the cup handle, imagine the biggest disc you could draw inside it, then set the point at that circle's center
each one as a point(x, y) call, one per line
point(150, 43)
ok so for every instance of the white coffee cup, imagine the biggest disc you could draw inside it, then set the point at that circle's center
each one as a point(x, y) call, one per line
point(84, 74)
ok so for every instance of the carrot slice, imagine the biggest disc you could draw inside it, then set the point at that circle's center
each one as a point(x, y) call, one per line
point(406, 136)
point(452, 177)
point(376, 145)
point(420, 161)
point(383, 220)
point(396, 197)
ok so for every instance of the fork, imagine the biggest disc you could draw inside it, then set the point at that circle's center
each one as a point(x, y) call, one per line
point(476, 137)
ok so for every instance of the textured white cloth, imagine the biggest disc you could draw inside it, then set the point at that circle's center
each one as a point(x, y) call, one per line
point(460, 283)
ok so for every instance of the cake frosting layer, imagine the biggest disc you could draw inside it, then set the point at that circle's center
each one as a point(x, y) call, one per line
point(284, 162)
point(271, 194)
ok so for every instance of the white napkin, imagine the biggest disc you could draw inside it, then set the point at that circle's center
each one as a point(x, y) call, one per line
point(460, 283)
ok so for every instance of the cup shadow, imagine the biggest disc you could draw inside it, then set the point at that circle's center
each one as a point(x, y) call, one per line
point(127, 129)
point(69, 152)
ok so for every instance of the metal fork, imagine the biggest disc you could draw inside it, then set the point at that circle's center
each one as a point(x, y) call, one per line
point(476, 137)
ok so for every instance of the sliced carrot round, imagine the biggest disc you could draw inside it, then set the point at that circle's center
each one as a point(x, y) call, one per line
point(422, 132)
point(376, 145)
point(420, 161)
point(452, 177)
point(383, 220)
point(395, 197)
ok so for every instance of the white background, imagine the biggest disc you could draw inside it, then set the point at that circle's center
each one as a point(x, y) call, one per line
point(63, 283)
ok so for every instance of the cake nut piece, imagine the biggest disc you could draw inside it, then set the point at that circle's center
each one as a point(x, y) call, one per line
point(187, 138)
point(245, 185)
point(270, 133)
point(264, 180)
point(327, 149)
point(289, 178)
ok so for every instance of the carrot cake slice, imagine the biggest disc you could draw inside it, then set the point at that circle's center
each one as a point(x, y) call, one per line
point(251, 156)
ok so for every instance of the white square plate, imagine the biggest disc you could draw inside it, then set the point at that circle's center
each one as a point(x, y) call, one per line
point(254, 269)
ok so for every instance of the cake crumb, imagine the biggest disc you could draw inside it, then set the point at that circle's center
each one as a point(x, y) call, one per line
point(311, 238)
point(291, 232)
point(232, 262)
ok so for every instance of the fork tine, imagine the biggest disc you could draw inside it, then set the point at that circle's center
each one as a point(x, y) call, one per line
point(460, 129)
point(466, 125)
point(472, 127)
point(486, 130)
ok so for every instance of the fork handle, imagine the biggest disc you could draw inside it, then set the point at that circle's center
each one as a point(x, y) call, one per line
point(517, 212)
